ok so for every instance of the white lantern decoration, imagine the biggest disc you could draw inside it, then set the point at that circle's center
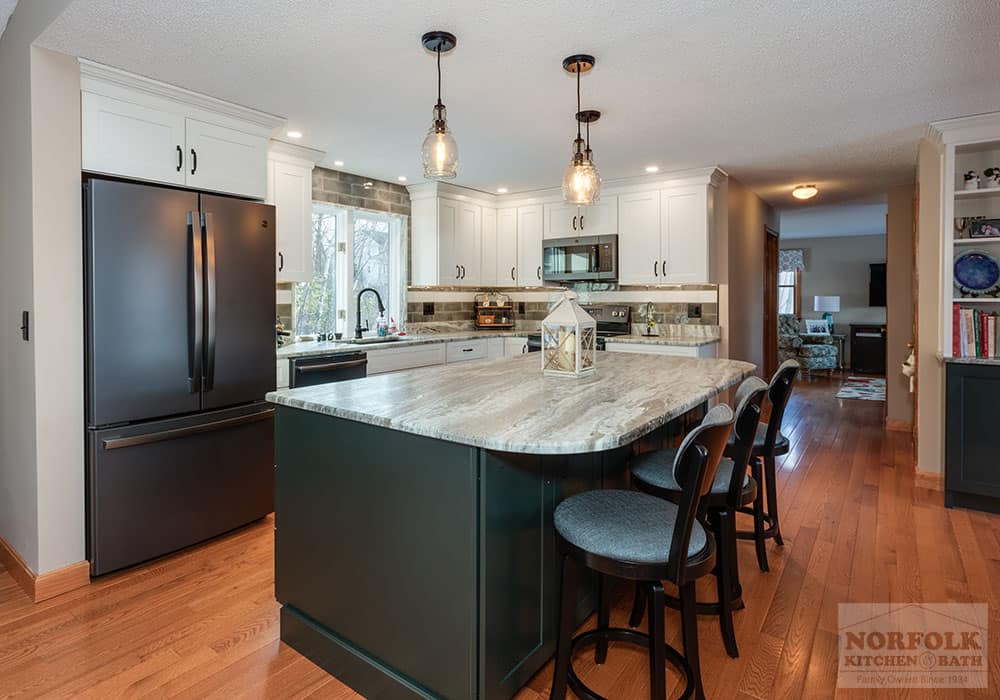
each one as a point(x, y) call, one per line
point(569, 340)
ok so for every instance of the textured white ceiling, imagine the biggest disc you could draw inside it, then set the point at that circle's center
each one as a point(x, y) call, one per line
point(777, 92)
point(6, 10)
point(865, 219)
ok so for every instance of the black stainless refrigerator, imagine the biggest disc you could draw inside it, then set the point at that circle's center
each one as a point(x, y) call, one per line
point(179, 354)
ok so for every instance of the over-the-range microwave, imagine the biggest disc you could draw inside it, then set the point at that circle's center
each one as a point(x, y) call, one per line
point(578, 259)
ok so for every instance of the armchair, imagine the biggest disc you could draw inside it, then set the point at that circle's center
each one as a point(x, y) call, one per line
point(812, 352)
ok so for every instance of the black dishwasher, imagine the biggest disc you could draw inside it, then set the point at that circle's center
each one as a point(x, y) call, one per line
point(323, 369)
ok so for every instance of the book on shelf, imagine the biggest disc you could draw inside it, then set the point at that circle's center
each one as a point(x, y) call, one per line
point(975, 333)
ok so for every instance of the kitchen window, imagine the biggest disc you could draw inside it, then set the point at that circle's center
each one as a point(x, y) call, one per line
point(352, 249)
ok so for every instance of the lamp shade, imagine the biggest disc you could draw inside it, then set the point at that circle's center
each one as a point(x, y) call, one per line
point(831, 304)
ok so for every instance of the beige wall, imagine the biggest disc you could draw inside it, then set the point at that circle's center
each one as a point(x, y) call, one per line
point(930, 370)
point(41, 424)
point(899, 313)
point(747, 216)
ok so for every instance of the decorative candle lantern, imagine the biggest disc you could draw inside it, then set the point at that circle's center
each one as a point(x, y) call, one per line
point(569, 339)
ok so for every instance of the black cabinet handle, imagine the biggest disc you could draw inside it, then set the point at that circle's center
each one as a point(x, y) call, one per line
point(581, 222)
point(539, 272)
point(458, 272)
point(463, 271)
point(194, 161)
point(281, 261)
point(180, 158)
point(663, 268)
point(574, 223)
point(467, 349)
point(512, 275)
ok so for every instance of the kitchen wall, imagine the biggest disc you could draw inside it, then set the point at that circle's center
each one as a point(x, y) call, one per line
point(41, 263)
point(743, 290)
point(899, 312)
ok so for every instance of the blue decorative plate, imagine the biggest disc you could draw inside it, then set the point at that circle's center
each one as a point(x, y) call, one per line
point(977, 273)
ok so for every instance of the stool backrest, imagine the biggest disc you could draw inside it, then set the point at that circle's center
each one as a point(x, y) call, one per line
point(749, 398)
point(694, 469)
point(778, 393)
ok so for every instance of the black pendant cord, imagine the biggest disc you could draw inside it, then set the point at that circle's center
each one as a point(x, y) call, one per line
point(579, 67)
point(438, 52)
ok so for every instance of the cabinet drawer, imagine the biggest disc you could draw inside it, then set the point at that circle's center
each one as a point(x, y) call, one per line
point(709, 350)
point(395, 359)
point(461, 351)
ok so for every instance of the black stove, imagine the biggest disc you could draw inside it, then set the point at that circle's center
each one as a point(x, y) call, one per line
point(612, 320)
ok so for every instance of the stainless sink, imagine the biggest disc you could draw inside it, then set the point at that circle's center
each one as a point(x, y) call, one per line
point(372, 340)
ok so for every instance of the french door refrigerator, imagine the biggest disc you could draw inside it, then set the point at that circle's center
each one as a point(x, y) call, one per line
point(179, 354)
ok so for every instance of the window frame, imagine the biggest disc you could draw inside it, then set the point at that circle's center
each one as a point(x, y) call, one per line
point(796, 287)
point(346, 299)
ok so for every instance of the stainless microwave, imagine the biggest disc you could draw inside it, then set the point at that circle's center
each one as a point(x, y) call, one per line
point(583, 258)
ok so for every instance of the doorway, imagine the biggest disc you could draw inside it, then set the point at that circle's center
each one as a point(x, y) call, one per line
point(770, 301)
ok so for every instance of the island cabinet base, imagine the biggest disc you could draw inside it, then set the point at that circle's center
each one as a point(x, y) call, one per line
point(413, 567)
point(972, 451)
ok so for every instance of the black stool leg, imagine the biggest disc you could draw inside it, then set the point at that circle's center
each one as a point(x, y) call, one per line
point(758, 516)
point(603, 619)
point(657, 640)
point(689, 631)
point(638, 605)
point(724, 579)
point(567, 620)
point(772, 498)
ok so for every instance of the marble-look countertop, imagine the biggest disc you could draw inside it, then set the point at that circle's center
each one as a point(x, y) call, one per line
point(509, 405)
point(973, 360)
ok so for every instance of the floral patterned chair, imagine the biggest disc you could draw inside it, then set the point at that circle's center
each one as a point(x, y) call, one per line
point(818, 353)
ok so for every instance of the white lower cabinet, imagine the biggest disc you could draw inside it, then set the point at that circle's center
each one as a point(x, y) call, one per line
point(495, 348)
point(709, 350)
point(282, 374)
point(513, 347)
point(465, 350)
point(396, 359)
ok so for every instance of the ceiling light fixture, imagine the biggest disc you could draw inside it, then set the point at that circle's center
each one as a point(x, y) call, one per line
point(401, 178)
point(805, 192)
point(652, 168)
point(581, 182)
point(293, 134)
point(501, 190)
point(440, 151)
point(338, 163)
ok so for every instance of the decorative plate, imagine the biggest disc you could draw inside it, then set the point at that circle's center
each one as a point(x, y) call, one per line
point(977, 274)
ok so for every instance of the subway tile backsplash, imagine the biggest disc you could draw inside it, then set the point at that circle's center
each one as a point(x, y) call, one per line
point(448, 311)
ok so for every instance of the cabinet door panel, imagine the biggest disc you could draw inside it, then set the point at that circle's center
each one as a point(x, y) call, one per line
point(684, 235)
point(529, 246)
point(489, 272)
point(600, 219)
point(291, 194)
point(561, 220)
point(449, 270)
point(468, 243)
point(639, 239)
point(221, 159)
point(122, 138)
point(507, 247)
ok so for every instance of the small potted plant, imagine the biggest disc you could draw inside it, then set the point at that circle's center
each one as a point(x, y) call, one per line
point(992, 176)
point(971, 180)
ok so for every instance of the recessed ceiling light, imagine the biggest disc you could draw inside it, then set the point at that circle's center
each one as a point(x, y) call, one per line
point(401, 178)
point(652, 168)
point(339, 163)
point(293, 134)
point(805, 192)
point(501, 190)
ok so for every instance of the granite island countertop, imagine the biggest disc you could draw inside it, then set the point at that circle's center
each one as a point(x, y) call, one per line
point(509, 405)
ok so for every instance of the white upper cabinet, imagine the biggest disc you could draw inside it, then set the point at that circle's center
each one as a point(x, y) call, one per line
point(561, 220)
point(138, 128)
point(568, 220)
point(289, 189)
point(488, 258)
point(529, 246)
point(684, 235)
point(468, 243)
point(223, 159)
point(507, 247)
point(123, 138)
point(450, 271)
point(639, 240)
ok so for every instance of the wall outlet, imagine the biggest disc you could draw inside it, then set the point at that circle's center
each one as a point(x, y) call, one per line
point(428, 308)
point(342, 314)
point(520, 307)
point(694, 311)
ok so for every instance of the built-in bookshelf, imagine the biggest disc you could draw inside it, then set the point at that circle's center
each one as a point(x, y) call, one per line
point(971, 143)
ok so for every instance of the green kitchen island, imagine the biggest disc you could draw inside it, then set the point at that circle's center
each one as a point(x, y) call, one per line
point(414, 547)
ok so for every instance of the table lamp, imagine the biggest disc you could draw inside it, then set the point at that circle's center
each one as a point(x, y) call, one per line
point(829, 306)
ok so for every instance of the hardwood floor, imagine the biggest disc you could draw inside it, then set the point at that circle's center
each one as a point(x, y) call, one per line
point(204, 623)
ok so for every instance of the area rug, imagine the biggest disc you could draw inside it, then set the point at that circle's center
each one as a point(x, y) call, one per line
point(864, 388)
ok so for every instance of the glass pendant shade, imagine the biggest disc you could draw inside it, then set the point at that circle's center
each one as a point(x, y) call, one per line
point(581, 183)
point(440, 150)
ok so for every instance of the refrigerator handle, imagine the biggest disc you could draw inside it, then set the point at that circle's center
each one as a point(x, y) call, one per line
point(195, 314)
point(210, 325)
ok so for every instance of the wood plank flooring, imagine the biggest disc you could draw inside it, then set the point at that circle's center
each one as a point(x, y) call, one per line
point(204, 623)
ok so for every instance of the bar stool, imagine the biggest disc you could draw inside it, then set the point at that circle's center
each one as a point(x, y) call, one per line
point(731, 489)
point(768, 443)
point(638, 537)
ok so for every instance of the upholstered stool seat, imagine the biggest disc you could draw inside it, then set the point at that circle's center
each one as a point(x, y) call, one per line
point(656, 469)
point(781, 443)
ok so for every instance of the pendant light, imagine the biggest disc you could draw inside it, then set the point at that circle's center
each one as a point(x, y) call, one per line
point(439, 152)
point(581, 182)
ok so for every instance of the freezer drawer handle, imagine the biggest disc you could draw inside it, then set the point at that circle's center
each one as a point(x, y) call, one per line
point(307, 369)
point(118, 443)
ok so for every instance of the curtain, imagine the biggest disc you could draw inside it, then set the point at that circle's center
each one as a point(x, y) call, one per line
point(791, 259)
